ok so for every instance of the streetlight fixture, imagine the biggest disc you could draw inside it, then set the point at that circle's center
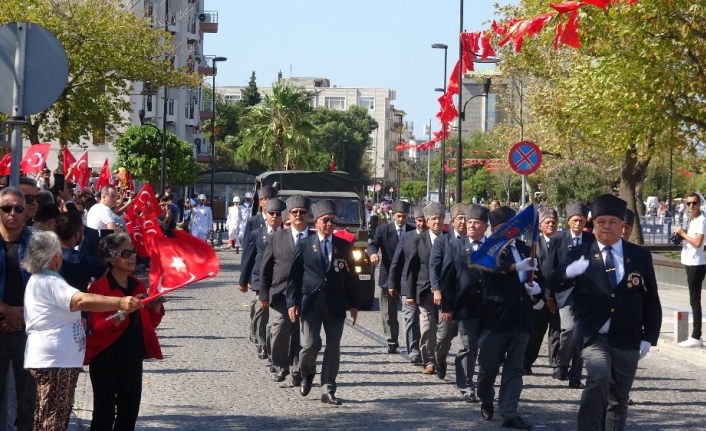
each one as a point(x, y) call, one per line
point(442, 174)
point(213, 127)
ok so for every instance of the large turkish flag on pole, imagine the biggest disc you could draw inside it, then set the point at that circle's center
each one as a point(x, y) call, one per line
point(105, 176)
point(178, 262)
point(35, 158)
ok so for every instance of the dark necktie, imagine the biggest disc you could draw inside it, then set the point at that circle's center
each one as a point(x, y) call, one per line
point(576, 241)
point(324, 250)
point(299, 237)
point(610, 267)
point(399, 233)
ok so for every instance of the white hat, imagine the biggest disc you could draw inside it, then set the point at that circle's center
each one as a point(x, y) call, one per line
point(202, 197)
point(248, 195)
point(236, 199)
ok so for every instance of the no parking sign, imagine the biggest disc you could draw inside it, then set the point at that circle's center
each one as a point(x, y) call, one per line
point(525, 157)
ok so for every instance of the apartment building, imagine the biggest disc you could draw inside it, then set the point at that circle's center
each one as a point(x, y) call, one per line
point(382, 151)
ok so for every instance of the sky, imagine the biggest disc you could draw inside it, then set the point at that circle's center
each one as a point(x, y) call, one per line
point(355, 43)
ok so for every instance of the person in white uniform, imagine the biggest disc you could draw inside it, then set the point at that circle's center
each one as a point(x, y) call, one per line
point(201, 219)
point(232, 224)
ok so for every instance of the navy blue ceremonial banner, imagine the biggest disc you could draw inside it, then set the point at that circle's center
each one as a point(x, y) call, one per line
point(487, 255)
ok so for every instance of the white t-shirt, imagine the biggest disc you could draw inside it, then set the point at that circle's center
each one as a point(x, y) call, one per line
point(691, 255)
point(99, 216)
point(55, 336)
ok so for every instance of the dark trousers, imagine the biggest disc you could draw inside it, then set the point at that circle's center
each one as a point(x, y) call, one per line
point(466, 357)
point(411, 327)
point(610, 374)
point(543, 319)
point(12, 348)
point(258, 320)
point(284, 337)
point(117, 391)
point(445, 333)
point(388, 314)
point(695, 278)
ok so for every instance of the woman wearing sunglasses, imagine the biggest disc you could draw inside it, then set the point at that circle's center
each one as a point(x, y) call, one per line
point(115, 348)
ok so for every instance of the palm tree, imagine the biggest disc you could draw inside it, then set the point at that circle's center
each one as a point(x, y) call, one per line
point(277, 132)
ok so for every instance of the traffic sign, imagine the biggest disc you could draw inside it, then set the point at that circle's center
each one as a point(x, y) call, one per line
point(525, 157)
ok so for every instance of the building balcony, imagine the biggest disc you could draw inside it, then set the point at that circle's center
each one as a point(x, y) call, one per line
point(206, 109)
point(208, 22)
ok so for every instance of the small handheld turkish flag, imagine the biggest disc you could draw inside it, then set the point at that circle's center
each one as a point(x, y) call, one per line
point(178, 262)
point(105, 177)
point(35, 158)
point(79, 172)
point(5, 164)
point(69, 161)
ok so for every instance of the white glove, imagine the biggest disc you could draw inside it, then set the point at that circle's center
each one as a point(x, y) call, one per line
point(526, 265)
point(576, 268)
point(644, 348)
point(533, 289)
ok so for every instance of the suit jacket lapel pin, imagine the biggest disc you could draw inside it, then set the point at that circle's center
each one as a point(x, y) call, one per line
point(634, 279)
point(627, 260)
point(314, 247)
point(598, 256)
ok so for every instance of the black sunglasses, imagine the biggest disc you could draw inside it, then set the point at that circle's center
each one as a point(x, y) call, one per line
point(19, 209)
point(29, 199)
point(328, 220)
point(275, 214)
point(690, 203)
point(127, 253)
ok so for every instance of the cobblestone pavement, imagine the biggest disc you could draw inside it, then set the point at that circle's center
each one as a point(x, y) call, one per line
point(211, 379)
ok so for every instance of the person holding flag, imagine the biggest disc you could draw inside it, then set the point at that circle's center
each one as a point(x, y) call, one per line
point(115, 348)
point(506, 321)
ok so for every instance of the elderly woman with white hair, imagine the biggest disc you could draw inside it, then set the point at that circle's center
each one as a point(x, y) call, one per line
point(56, 341)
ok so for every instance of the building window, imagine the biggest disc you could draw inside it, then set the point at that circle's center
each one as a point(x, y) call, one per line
point(335, 103)
point(233, 97)
point(367, 102)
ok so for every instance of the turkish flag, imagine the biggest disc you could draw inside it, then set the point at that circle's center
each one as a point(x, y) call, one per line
point(69, 161)
point(105, 176)
point(144, 204)
point(35, 158)
point(178, 262)
point(139, 228)
point(78, 171)
point(5, 164)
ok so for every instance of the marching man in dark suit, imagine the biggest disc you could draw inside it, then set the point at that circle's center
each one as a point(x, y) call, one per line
point(250, 271)
point(320, 281)
point(618, 313)
point(418, 284)
point(570, 364)
point(397, 278)
point(387, 236)
point(461, 296)
point(276, 263)
point(505, 322)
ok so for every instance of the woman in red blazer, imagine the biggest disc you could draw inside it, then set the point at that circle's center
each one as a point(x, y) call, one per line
point(116, 348)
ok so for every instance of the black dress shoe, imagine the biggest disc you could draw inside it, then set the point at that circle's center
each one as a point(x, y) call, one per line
point(296, 380)
point(280, 376)
point(416, 360)
point(329, 398)
point(441, 371)
point(262, 352)
point(486, 412)
point(576, 384)
point(560, 373)
point(470, 397)
point(391, 348)
point(518, 423)
point(305, 386)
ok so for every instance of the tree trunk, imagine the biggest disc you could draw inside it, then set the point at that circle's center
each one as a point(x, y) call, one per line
point(632, 173)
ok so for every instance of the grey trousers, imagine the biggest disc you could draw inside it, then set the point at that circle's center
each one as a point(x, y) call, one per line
point(445, 333)
point(258, 324)
point(569, 356)
point(411, 327)
point(311, 344)
point(388, 314)
point(496, 347)
point(467, 355)
point(428, 320)
point(610, 374)
point(12, 348)
point(284, 337)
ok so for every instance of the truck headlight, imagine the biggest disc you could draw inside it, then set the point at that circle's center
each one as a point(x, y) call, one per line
point(358, 269)
point(357, 254)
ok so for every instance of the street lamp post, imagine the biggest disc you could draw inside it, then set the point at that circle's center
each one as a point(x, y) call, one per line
point(213, 128)
point(442, 174)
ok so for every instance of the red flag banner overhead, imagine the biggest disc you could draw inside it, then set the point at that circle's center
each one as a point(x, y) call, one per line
point(105, 177)
point(178, 262)
point(79, 172)
point(35, 158)
point(69, 160)
point(5, 164)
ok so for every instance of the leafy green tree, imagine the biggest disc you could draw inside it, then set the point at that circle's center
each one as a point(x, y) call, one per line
point(139, 151)
point(413, 190)
point(250, 94)
point(277, 133)
point(344, 135)
point(573, 181)
point(108, 46)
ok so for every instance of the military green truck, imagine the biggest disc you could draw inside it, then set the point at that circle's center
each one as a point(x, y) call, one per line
point(348, 191)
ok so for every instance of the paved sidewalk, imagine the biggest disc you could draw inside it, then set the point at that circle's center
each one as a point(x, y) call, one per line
point(211, 379)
